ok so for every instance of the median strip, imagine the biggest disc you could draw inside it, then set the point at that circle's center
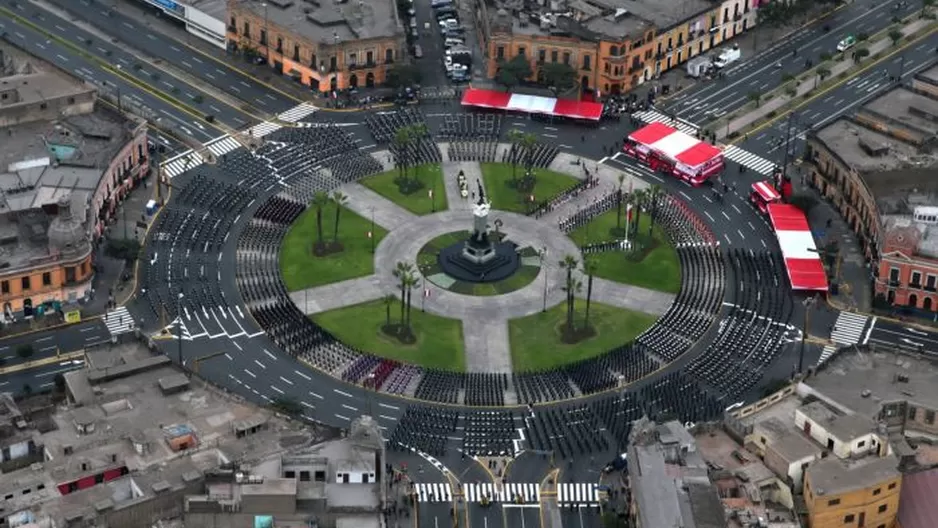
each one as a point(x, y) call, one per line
point(29, 365)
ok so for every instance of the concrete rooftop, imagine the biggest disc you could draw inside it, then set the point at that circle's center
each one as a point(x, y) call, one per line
point(834, 476)
point(322, 21)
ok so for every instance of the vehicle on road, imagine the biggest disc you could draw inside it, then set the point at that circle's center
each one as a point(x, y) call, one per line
point(846, 43)
point(667, 150)
point(727, 57)
point(699, 66)
point(764, 193)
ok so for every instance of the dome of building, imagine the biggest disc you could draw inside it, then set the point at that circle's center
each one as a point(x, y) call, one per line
point(66, 234)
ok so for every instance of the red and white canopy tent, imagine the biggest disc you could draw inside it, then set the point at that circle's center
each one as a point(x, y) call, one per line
point(675, 144)
point(532, 104)
point(802, 260)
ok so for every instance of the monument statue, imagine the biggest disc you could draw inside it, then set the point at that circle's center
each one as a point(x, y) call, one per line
point(480, 214)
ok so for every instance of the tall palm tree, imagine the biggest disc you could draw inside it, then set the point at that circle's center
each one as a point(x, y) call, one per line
point(589, 267)
point(401, 142)
point(619, 204)
point(638, 201)
point(654, 195)
point(569, 263)
point(320, 199)
point(402, 272)
point(411, 283)
point(340, 200)
point(388, 300)
point(514, 138)
point(528, 142)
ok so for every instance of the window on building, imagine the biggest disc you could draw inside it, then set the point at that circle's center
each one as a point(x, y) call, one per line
point(5, 286)
point(370, 57)
point(24, 283)
point(542, 56)
point(554, 55)
point(296, 52)
point(388, 55)
point(606, 69)
point(521, 51)
point(319, 476)
point(566, 58)
point(304, 476)
point(70, 274)
point(587, 62)
point(333, 62)
point(894, 275)
point(860, 444)
point(46, 279)
point(352, 59)
point(882, 508)
point(849, 518)
point(833, 502)
point(500, 52)
point(279, 44)
point(43, 106)
point(877, 491)
point(247, 29)
point(233, 24)
point(263, 37)
point(916, 278)
point(289, 474)
point(891, 486)
point(929, 416)
point(84, 268)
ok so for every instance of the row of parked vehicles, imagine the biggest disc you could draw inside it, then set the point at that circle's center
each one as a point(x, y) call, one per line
point(457, 59)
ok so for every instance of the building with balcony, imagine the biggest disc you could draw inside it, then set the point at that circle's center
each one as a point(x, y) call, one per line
point(327, 46)
point(612, 45)
point(66, 162)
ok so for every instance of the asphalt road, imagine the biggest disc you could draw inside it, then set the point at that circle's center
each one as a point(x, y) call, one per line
point(37, 379)
point(839, 101)
point(205, 67)
point(45, 343)
point(114, 68)
point(708, 101)
point(885, 332)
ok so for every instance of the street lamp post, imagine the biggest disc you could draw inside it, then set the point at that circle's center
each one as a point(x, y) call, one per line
point(179, 316)
point(808, 303)
point(543, 254)
point(432, 201)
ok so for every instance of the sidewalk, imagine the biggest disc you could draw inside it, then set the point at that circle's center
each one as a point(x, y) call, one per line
point(795, 91)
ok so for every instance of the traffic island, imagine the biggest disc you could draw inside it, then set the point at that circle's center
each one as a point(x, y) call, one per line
point(796, 90)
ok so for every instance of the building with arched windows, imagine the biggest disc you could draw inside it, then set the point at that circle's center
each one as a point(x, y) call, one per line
point(327, 46)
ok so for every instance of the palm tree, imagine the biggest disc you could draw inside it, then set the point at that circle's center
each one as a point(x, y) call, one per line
point(514, 138)
point(410, 283)
point(320, 199)
point(402, 272)
point(340, 200)
point(619, 205)
point(528, 142)
point(569, 263)
point(589, 267)
point(388, 300)
point(653, 195)
point(401, 142)
point(638, 200)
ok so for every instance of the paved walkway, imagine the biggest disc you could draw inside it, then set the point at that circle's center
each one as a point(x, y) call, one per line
point(338, 294)
point(369, 204)
point(450, 174)
point(486, 335)
point(607, 174)
point(630, 297)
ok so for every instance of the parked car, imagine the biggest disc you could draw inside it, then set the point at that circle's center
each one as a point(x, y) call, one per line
point(846, 43)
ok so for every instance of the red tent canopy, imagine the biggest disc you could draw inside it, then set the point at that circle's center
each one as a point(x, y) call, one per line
point(802, 260)
point(532, 104)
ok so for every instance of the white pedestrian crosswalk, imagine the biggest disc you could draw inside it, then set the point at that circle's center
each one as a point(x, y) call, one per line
point(826, 354)
point(848, 330)
point(577, 494)
point(297, 113)
point(568, 493)
point(749, 160)
point(433, 492)
point(119, 321)
point(223, 145)
point(654, 116)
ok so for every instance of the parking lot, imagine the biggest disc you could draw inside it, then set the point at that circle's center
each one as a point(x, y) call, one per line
point(431, 44)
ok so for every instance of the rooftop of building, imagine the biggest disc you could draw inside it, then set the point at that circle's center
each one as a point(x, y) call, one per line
point(132, 421)
point(326, 22)
point(214, 8)
point(853, 142)
point(614, 20)
point(843, 426)
point(672, 492)
point(862, 380)
point(931, 74)
point(917, 500)
point(35, 87)
point(835, 476)
point(787, 442)
point(914, 110)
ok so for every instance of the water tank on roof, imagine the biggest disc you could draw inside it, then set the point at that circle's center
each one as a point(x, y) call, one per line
point(66, 233)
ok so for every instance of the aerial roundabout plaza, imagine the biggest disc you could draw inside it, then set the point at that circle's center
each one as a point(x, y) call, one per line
point(483, 283)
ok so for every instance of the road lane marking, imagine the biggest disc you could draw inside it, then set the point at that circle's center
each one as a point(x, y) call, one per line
point(347, 395)
point(304, 376)
point(249, 373)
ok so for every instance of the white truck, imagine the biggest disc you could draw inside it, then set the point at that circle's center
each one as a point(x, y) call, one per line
point(727, 57)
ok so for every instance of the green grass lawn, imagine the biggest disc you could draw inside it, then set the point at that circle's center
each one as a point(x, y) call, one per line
point(656, 269)
point(419, 201)
point(439, 339)
point(301, 269)
point(496, 177)
point(536, 344)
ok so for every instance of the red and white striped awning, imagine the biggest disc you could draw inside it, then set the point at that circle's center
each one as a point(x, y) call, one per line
point(675, 144)
point(766, 191)
point(532, 104)
point(802, 260)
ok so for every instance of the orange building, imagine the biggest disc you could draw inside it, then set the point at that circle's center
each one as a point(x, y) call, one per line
point(851, 493)
point(613, 48)
point(325, 45)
